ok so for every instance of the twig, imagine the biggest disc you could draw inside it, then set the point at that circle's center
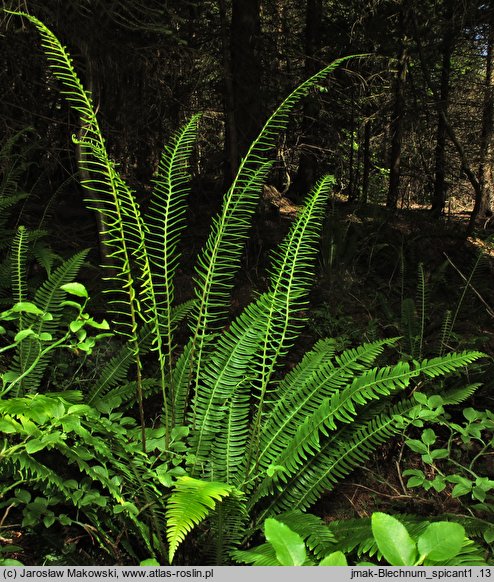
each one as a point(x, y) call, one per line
point(482, 300)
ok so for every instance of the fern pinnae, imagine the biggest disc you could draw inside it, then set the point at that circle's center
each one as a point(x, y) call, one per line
point(297, 397)
point(291, 276)
point(222, 250)
point(334, 460)
point(422, 292)
point(18, 256)
point(445, 334)
point(165, 221)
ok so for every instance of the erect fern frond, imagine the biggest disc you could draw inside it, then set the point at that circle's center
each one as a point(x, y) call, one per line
point(188, 505)
point(249, 351)
point(291, 276)
point(220, 257)
point(18, 256)
point(422, 302)
point(108, 193)
point(228, 450)
point(445, 334)
point(165, 221)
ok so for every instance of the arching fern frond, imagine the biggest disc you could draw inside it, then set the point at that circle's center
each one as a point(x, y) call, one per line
point(303, 390)
point(188, 505)
point(108, 193)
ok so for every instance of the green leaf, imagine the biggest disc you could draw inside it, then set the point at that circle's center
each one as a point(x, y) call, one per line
point(438, 483)
point(76, 325)
point(440, 454)
point(441, 541)
point(428, 436)
point(462, 488)
point(471, 414)
point(288, 545)
point(393, 540)
point(149, 562)
point(334, 559)
point(416, 446)
point(35, 445)
point(76, 289)
point(23, 334)
point(27, 307)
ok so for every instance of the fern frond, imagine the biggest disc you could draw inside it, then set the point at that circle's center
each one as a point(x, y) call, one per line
point(304, 389)
point(422, 302)
point(336, 457)
point(18, 256)
point(316, 534)
point(459, 395)
point(250, 350)
point(227, 525)
point(220, 257)
point(228, 449)
point(262, 555)
point(165, 221)
point(188, 505)
point(109, 195)
point(445, 334)
point(441, 365)
point(48, 297)
point(115, 371)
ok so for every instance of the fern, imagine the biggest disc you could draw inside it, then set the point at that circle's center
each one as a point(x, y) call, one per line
point(49, 299)
point(263, 443)
point(188, 505)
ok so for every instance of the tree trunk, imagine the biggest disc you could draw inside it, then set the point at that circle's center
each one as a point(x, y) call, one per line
point(367, 160)
point(439, 195)
point(246, 72)
point(307, 169)
point(231, 145)
point(483, 206)
point(397, 128)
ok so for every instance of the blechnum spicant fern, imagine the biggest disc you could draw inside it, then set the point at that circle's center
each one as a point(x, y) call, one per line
point(256, 445)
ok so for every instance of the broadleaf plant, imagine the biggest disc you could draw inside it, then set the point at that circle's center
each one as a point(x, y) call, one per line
point(260, 441)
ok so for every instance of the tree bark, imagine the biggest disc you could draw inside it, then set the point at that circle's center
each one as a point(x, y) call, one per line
point(231, 145)
point(397, 120)
point(439, 195)
point(307, 169)
point(246, 72)
point(483, 206)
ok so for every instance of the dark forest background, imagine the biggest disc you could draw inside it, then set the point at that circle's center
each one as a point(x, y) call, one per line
point(406, 127)
point(408, 124)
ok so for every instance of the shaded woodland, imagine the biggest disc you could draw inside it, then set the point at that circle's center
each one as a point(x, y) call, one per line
point(192, 337)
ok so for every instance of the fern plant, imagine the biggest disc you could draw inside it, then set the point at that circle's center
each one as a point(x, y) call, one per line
point(256, 442)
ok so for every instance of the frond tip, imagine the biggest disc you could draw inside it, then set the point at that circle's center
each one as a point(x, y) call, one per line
point(189, 504)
